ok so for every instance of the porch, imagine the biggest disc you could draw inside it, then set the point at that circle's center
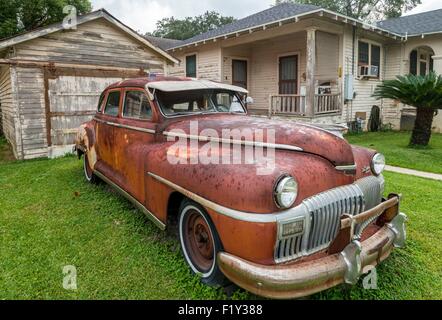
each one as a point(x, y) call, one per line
point(294, 74)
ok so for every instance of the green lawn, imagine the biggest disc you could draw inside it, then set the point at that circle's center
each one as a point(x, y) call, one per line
point(394, 145)
point(5, 151)
point(50, 217)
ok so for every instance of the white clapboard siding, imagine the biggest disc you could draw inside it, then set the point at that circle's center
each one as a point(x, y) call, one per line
point(208, 62)
point(363, 88)
point(96, 43)
point(264, 65)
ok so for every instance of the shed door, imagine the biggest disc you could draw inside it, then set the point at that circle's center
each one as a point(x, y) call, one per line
point(288, 75)
point(73, 100)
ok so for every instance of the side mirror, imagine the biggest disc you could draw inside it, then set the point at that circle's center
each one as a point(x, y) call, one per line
point(249, 100)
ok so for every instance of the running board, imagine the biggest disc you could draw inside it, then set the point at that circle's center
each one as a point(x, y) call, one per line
point(134, 201)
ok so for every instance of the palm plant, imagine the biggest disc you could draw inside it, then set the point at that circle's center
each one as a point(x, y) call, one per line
point(422, 92)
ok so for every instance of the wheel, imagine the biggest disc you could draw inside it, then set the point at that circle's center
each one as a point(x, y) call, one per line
point(200, 243)
point(88, 172)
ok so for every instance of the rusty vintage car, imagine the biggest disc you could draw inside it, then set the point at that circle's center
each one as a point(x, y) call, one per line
point(316, 220)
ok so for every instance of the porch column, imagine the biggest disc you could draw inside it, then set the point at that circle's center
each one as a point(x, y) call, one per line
point(437, 64)
point(310, 73)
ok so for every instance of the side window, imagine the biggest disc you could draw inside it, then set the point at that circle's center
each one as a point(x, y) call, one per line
point(136, 105)
point(100, 102)
point(363, 53)
point(375, 60)
point(191, 66)
point(369, 59)
point(112, 103)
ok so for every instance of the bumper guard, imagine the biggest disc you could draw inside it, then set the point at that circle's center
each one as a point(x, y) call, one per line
point(305, 278)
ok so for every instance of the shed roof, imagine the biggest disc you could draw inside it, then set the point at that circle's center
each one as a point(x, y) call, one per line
point(102, 13)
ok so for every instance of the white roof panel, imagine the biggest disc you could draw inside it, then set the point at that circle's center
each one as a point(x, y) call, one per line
point(170, 86)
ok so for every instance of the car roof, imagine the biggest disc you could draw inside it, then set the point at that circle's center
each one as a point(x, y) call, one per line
point(165, 83)
point(142, 81)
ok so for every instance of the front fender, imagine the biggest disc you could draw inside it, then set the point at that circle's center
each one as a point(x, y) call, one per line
point(238, 186)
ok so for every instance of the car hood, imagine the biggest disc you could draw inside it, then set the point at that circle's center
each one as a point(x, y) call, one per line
point(288, 135)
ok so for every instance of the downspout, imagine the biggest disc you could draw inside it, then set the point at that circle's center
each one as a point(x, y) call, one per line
point(353, 52)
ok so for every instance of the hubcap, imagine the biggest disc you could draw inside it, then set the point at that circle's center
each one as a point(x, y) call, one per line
point(199, 241)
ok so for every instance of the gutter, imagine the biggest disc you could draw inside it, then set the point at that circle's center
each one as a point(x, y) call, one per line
point(422, 35)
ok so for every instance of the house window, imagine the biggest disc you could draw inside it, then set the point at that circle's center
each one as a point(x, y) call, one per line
point(421, 62)
point(191, 66)
point(413, 62)
point(239, 73)
point(369, 59)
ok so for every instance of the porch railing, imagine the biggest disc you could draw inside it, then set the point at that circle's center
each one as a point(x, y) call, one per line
point(289, 104)
point(327, 103)
point(286, 104)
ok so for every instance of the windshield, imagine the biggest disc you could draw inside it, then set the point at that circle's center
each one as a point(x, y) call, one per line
point(199, 101)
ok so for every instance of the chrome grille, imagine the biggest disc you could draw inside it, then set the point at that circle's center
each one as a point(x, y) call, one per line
point(289, 249)
point(323, 212)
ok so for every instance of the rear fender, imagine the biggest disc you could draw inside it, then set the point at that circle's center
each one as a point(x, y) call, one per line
point(85, 143)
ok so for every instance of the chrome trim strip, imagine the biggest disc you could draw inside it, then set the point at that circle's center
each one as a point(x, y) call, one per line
point(346, 167)
point(139, 206)
point(232, 141)
point(280, 217)
point(118, 125)
point(235, 214)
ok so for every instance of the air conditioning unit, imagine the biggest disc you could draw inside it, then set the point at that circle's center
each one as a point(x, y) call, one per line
point(368, 72)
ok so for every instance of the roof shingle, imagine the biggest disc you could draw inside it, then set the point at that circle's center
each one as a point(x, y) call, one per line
point(275, 13)
point(415, 24)
point(164, 43)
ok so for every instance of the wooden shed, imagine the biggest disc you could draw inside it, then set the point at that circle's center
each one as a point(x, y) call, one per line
point(51, 78)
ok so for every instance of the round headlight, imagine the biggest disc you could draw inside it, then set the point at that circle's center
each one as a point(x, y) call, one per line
point(286, 191)
point(378, 164)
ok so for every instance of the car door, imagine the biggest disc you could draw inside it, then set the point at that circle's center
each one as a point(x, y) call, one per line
point(134, 136)
point(104, 132)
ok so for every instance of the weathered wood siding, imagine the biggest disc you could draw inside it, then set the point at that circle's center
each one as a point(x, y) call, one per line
point(22, 90)
point(8, 107)
point(73, 101)
point(31, 108)
point(96, 43)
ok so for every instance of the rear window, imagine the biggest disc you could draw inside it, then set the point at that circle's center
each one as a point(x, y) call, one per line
point(112, 103)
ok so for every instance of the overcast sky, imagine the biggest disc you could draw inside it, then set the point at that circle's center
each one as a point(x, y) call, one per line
point(142, 15)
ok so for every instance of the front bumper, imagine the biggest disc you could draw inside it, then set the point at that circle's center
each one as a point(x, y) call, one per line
point(305, 278)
